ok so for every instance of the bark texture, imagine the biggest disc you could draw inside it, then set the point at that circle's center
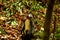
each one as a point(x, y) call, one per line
point(47, 22)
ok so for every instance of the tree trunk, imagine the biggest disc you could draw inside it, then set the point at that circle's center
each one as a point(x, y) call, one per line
point(47, 22)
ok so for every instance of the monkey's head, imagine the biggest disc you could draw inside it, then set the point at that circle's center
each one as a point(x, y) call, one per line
point(29, 16)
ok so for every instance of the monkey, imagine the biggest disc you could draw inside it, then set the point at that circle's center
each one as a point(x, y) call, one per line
point(28, 28)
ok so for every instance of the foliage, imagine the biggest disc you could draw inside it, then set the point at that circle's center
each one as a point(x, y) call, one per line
point(2, 31)
point(16, 13)
point(57, 36)
point(58, 30)
point(14, 23)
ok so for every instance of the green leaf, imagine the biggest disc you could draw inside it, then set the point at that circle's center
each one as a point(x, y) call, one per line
point(2, 31)
point(57, 36)
point(12, 13)
point(8, 21)
point(3, 0)
point(58, 30)
point(41, 34)
point(12, 19)
point(7, 9)
point(15, 4)
point(8, 15)
point(14, 23)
